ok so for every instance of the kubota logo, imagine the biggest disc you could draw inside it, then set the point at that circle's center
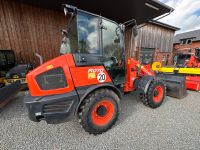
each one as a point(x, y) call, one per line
point(95, 70)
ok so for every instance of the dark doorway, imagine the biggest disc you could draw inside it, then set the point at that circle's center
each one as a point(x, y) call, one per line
point(146, 55)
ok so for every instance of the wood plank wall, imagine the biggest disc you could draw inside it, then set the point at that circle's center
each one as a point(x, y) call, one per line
point(154, 36)
point(28, 29)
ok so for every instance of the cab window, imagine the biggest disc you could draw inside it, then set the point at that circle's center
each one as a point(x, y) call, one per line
point(113, 52)
point(87, 34)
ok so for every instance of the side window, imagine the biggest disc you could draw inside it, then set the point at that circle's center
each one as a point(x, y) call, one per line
point(87, 34)
point(113, 52)
point(52, 79)
point(111, 40)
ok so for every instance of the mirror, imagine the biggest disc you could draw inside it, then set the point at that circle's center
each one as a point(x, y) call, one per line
point(65, 47)
point(117, 39)
point(135, 30)
point(65, 11)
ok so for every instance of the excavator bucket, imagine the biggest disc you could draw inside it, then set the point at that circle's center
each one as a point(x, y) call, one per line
point(7, 92)
point(176, 85)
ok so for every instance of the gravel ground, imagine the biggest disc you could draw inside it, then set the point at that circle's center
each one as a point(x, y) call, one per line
point(175, 125)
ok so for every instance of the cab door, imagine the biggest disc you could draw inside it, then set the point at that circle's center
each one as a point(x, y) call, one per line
point(113, 51)
point(87, 52)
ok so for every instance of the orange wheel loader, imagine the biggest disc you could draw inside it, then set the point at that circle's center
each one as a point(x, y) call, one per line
point(90, 76)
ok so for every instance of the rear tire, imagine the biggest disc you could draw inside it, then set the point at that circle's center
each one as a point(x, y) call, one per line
point(99, 111)
point(155, 94)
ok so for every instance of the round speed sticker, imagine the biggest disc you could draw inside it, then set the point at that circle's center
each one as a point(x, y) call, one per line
point(101, 77)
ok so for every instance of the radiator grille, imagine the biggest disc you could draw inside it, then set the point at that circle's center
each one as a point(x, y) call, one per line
point(58, 107)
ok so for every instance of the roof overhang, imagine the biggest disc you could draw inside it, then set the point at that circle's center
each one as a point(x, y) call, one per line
point(164, 25)
point(119, 11)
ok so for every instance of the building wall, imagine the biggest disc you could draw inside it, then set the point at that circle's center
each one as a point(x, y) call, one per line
point(165, 58)
point(154, 36)
point(188, 46)
point(27, 29)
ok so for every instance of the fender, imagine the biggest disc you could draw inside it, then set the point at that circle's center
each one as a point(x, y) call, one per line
point(84, 91)
point(143, 84)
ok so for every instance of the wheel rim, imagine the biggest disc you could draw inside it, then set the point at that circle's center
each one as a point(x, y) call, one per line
point(102, 113)
point(158, 94)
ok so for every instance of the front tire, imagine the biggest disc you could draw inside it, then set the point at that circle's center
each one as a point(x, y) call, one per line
point(155, 95)
point(99, 111)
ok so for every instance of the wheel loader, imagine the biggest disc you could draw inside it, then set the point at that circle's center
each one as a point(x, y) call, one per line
point(90, 76)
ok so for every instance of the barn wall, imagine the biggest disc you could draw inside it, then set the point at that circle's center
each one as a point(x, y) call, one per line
point(28, 29)
point(154, 36)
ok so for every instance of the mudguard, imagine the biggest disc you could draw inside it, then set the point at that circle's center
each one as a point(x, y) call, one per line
point(142, 85)
point(84, 91)
point(7, 92)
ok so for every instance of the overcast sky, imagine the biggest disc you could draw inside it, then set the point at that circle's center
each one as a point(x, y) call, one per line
point(186, 15)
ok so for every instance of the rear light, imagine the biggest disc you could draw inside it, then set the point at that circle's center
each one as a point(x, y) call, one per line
point(52, 79)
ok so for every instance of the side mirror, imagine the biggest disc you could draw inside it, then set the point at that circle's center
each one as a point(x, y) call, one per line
point(135, 30)
point(117, 39)
point(65, 11)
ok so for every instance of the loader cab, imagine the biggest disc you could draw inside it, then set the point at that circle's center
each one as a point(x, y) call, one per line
point(95, 41)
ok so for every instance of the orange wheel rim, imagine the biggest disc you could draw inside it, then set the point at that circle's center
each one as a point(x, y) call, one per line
point(158, 94)
point(102, 113)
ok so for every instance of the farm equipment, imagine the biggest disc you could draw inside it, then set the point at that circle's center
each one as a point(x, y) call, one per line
point(7, 61)
point(12, 76)
point(90, 76)
point(18, 72)
point(7, 92)
point(188, 65)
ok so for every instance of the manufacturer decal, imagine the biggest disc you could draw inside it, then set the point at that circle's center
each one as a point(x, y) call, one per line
point(91, 75)
point(97, 74)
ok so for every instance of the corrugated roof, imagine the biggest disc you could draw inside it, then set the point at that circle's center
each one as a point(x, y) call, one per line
point(192, 34)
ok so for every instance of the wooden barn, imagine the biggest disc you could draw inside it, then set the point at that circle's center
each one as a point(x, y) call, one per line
point(30, 26)
point(155, 42)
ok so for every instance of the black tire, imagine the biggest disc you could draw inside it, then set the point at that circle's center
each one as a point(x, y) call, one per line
point(93, 101)
point(149, 98)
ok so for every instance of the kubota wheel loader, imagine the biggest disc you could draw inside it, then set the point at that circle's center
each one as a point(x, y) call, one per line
point(90, 76)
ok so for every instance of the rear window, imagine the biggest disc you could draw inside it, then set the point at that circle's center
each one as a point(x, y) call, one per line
point(52, 79)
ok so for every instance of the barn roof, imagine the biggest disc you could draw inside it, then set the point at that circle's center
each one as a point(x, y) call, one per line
point(164, 25)
point(119, 11)
point(194, 35)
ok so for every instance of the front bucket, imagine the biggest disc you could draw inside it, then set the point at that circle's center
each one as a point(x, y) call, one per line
point(7, 92)
point(176, 85)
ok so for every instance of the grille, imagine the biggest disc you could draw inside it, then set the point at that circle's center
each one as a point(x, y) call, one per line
point(52, 79)
point(63, 106)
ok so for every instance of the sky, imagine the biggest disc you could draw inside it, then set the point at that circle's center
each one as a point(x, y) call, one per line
point(186, 15)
